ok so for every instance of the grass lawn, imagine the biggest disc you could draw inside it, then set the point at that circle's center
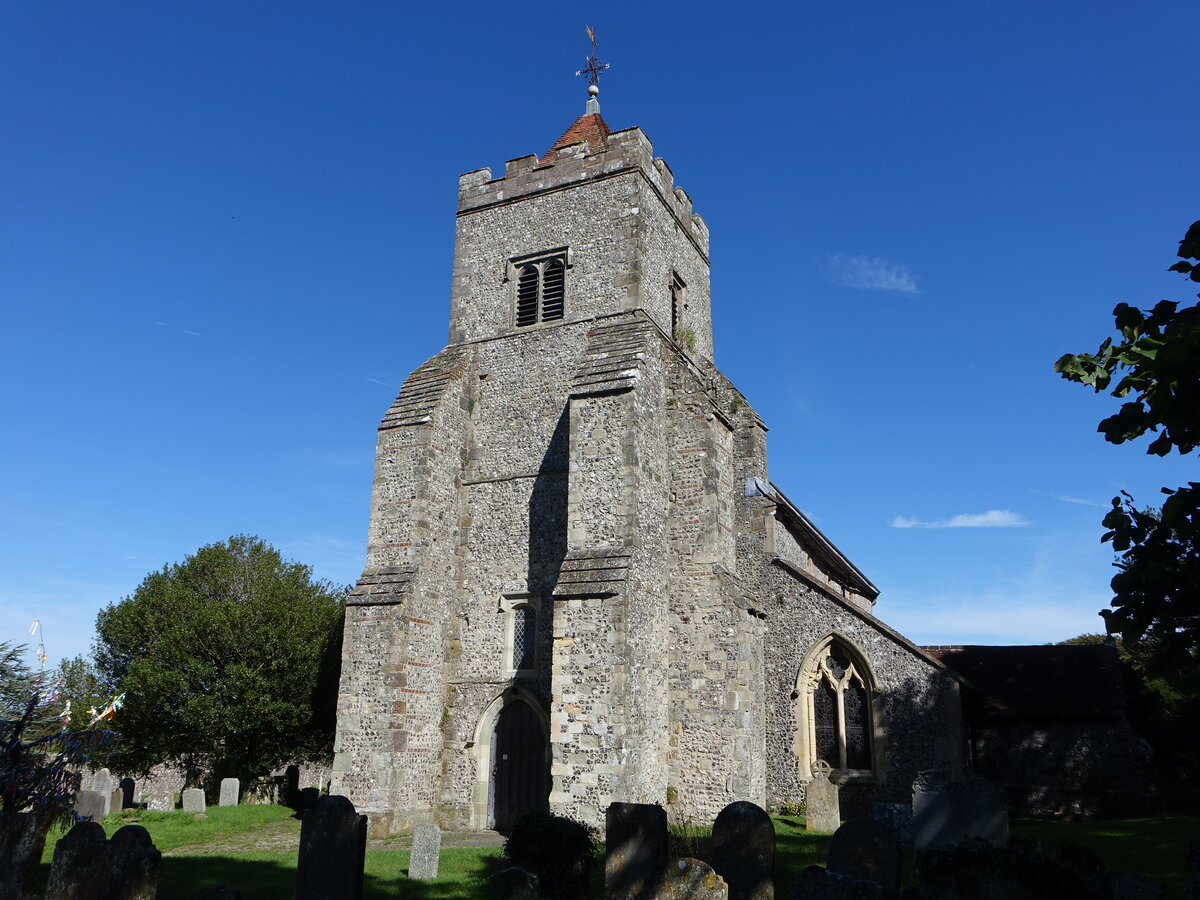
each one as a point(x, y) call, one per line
point(220, 850)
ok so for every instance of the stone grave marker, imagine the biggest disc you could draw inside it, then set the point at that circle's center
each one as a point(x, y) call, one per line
point(635, 849)
point(231, 791)
point(426, 846)
point(129, 797)
point(160, 801)
point(309, 797)
point(691, 879)
point(102, 782)
point(937, 806)
point(868, 851)
point(984, 812)
point(822, 811)
point(743, 851)
point(818, 883)
point(333, 844)
point(89, 805)
point(88, 867)
point(116, 801)
point(193, 800)
point(22, 837)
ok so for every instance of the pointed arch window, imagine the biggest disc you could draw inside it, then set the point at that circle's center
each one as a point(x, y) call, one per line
point(834, 706)
point(541, 289)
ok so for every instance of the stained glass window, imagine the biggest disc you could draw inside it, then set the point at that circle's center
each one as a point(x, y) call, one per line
point(841, 715)
point(825, 719)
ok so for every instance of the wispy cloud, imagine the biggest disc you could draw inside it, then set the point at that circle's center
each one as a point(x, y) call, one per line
point(870, 273)
point(175, 328)
point(993, 518)
point(377, 381)
point(192, 333)
point(1080, 500)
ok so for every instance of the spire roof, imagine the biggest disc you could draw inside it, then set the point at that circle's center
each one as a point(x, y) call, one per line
point(589, 128)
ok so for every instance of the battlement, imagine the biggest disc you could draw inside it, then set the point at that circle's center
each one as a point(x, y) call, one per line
point(623, 152)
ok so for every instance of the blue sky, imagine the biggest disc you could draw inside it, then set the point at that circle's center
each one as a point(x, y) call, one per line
point(226, 232)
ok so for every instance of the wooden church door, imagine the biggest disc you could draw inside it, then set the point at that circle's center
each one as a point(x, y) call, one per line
point(520, 769)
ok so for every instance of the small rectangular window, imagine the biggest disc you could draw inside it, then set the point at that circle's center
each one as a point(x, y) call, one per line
point(678, 303)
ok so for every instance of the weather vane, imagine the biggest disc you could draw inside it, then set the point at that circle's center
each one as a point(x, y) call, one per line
point(594, 67)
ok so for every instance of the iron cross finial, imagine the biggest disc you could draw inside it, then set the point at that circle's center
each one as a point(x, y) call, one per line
point(594, 67)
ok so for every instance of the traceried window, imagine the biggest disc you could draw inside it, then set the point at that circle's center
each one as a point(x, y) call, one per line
point(834, 705)
point(541, 290)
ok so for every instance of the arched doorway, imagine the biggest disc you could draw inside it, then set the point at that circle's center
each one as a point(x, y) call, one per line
point(520, 779)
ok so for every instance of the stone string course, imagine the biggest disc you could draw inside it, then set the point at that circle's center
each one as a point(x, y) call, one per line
point(595, 469)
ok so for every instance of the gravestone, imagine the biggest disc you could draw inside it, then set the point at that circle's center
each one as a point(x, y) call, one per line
point(818, 883)
point(743, 851)
point(333, 844)
point(691, 879)
point(868, 851)
point(22, 837)
point(264, 791)
point(102, 782)
point(88, 867)
point(985, 814)
point(635, 849)
point(822, 811)
point(426, 846)
point(291, 786)
point(116, 801)
point(129, 798)
point(937, 806)
point(231, 790)
point(193, 800)
point(309, 797)
point(160, 801)
point(89, 805)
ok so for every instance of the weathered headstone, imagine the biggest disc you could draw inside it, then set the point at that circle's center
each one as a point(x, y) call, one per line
point(231, 790)
point(937, 812)
point(635, 849)
point(691, 879)
point(22, 837)
point(426, 846)
point(160, 801)
point(102, 782)
point(291, 786)
point(89, 805)
point(88, 867)
point(868, 851)
point(743, 851)
point(333, 844)
point(263, 791)
point(129, 798)
point(309, 797)
point(116, 801)
point(822, 811)
point(193, 800)
point(817, 883)
point(985, 814)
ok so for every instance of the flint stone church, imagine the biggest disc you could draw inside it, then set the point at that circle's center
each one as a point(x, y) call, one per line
point(581, 584)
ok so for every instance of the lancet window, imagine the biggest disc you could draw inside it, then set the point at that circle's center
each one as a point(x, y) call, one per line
point(541, 290)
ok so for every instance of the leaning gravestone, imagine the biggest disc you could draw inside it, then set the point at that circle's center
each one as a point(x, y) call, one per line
point(22, 837)
point(743, 851)
point(691, 879)
point(937, 806)
point(817, 883)
point(822, 812)
point(89, 805)
point(231, 790)
point(333, 844)
point(193, 800)
point(426, 845)
point(160, 801)
point(129, 797)
point(116, 800)
point(984, 812)
point(868, 851)
point(635, 849)
point(88, 867)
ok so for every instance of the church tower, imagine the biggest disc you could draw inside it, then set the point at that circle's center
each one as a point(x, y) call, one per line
point(571, 530)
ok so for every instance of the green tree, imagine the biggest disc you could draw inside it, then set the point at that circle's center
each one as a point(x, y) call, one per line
point(228, 661)
point(81, 685)
point(1155, 368)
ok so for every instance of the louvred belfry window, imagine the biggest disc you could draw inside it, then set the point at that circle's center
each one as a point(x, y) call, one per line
point(541, 291)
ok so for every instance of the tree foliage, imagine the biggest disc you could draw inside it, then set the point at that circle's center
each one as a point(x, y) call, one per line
point(228, 660)
point(1155, 368)
point(40, 752)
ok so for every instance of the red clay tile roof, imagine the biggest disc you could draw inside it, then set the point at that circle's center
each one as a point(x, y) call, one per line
point(1071, 681)
point(590, 128)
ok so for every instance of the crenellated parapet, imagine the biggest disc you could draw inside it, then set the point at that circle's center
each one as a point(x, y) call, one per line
point(572, 164)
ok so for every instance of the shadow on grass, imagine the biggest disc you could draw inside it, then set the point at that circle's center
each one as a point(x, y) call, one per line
point(795, 850)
